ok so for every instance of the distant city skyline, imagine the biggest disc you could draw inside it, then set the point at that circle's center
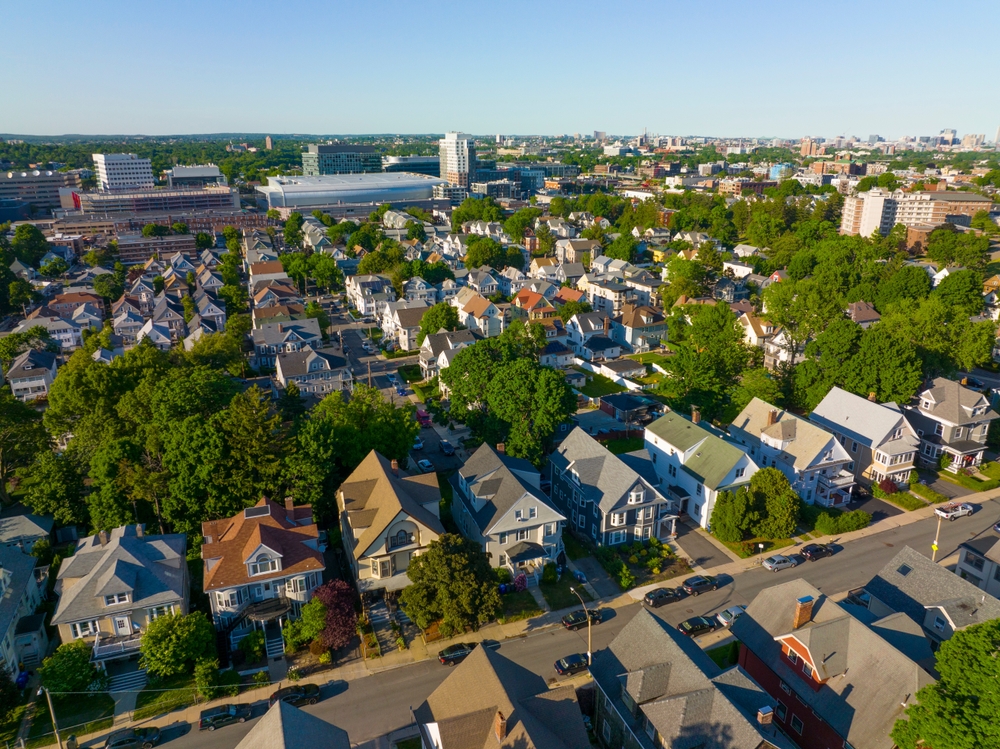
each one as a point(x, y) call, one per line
point(786, 70)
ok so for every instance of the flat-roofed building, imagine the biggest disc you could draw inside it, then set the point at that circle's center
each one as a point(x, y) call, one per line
point(330, 190)
point(37, 188)
point(429, 165)
point(339, 158)
point(136, 248)
point(195, 176)
point(152, 200)
point(123, 171)
point(880, 210)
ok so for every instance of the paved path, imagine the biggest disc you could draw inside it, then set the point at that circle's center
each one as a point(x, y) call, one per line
point(599, 580)
point(704, 551)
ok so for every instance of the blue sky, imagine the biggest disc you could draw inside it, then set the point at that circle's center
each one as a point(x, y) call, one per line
point(675, 67)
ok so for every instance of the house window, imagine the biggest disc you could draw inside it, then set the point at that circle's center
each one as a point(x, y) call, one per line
point(996, 573)
point(607, 730)
point(647, 532)
point(781, 710)
point(618, 537)
point(807, 670)
point(697, 490)
point(939, 623)
point(797, 724)
point(939, 429)
point(593, 534)
point(581, 521)
point(850, 466)
point(503, 538)
point(263, 564)
point(550, 528)
point(672, 470)
point(854, 446)
point(518, 515)
point(83, 629)
point(973, 561)
point(231, 599)
point(617, 518)
point(522, 535)
point(785, 688)
point(114, 600)
point(793, 657)
point(958, 433)
point(532, 512)
point(636, 496)
point(385, 568)
point(926, 405)
point(503, 560)
point(740, 472)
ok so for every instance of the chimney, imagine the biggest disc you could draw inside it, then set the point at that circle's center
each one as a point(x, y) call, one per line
point(502, 448)
point(500, 726)
point(765, 715)
point(872, 397)
point(607, 324)
point(395, 467)
point(289, 504)
point(139, 530)
point(772, 417)
point(695, 415)
point(103, 538)
point(803, 611)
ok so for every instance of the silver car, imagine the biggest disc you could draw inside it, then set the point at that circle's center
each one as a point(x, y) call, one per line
point(730, 615)
point(777, 562)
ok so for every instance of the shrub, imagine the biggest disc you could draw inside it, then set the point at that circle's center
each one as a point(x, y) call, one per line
point(227, 684)
point(317, 648)
point(521, 582)
point(326, 658)
point(294, 674)
point(550, 574)
point(853, 521)
point(643, 553)
point(261, 678)
point(253, 646)
point(503, 575)
point(888, 486)
point(400, 643)
point(633, 559)
point(626, 579)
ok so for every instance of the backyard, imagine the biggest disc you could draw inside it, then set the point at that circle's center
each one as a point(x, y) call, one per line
point(599, 385)
point(517, 606)
point(618, 447)
point(575, 549)
point(725, 655)
point(650, 357)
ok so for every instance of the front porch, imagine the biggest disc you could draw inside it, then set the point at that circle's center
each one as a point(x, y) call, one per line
point(114, 647)
point(964, 454)
point(835, 491)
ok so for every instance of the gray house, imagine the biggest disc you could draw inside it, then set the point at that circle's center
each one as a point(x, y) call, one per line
point(611, 498)
point(31, 374)
point(499, 505)
point(951, 420)
point(20, 528)
point(271, 339)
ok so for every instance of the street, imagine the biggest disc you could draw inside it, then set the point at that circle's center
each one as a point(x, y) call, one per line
point(374, 705)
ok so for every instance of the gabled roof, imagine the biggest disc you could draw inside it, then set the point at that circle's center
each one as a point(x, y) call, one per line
point(378, 496)
point(868, 422)
point(447, 340)
point(712, 461)
point(682, 433)
point(953, 403)
point(286, 727)
point(635, 316)
point(31, 363)
point(463, 709)
point(802, 441)
point(17, 522)
point(306, 329)
point(297, 363)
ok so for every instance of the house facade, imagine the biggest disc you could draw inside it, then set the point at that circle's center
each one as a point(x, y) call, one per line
point(951, 421)
point(438, 349)
point(115, 584)
point(499, 505)
point(640, 327)
point(31, 373)
point(979, 564)
point(22, 641)
point(260, 567)
point(611, 499)
point(316, 372)
point(271, 339)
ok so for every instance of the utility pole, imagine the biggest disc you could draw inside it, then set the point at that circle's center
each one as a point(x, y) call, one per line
point(937, 536)
point(589, 623)
point(369, 373)
point(52, 713)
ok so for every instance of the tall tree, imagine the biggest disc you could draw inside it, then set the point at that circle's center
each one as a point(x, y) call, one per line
point(54, 487)
point(440, 316)
point(22, 438)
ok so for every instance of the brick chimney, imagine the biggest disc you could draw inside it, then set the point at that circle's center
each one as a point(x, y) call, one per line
point(395, 467)
point(803, 611)
point(139, 530)
point(103, 538)
point(502, 448)
point(289, 504)
point(872, 398)
point(772, 416)
point(695, 415)
point(500, 726)
point(607, 324)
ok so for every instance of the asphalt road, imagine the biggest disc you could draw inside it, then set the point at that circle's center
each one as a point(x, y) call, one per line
point(375, 705)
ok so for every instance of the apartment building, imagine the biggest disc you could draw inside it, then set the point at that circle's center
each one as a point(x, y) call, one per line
point(123, 171)
point(341, 158)
point(457, 159)
point(134, 249)
point(880, 210)
point(36, 187)
point(22, 635)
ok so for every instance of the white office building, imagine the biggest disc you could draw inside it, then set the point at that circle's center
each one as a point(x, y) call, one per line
point(458, 158)
point(123, 171)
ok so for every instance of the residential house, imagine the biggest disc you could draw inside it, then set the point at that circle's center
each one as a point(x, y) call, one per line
point(65, 332)
point(271, 339)
point(607, 296)
point(863, 313)
point(209, 280)
point(317, 372)
point(65, 304)
point(386, 520)
point(569, 273)
point(979, 564)
point(612, 499)
point(816, 464)
point(20, 529)
point(114, 584)
point(835, 681)
point(211, 309)
point(880, 440)
point(695, 463)
point(951, 420)
point(158, 335)
point(364, 292)
point(532, 306)
point(87, 316)
point(260, 567)
point(745, 251)
point(170, 314)
point(731, 290)
point(142, 290)
point(127, 324)
point(482, 280)
point(736, 269)
point(626, 408)
point(386, 319)
point(511, 280)
point(284, 726)
point(274, 293)
point(490, 701)
point(277, 313)
point(268, 270)
point(31, 373)
point(620, 369)
point(639, 327)
point(557, 226)
point(546, 288)
point(499, 505)
point(645, 287)
point(22, 633)
point(446, 290)
point(585, 325)
point(565, 294)
point(656, 688)
point(407, 326)
point(930, 595)
point(535, 270)
point(476, 312)
point(577, 250)
point(556, 354)
point(780, 350)
point(23, 271)
point(756, 331)
point(417, 289)
point(438, 349)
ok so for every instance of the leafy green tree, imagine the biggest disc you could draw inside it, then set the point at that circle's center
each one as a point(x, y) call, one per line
point(324, 271)
point(54, 487)
point(571, 308)
point(9, 695)
point(519, 221)
point(109, 287)
point(293, 229)
point(235, 297)
point(315, 311)
point(962, 290)
point(475, 209)
point(158, 283)
point(22, 438)
point(908, 282)
point(755, 383)
point(217, 351)
point(451, 582)
point(172, 644)
point(29, 244)
point(947, 246)
point(35, 337)
point(485, 251)
point(828, 358)
point(155, 230)
point(53, 268)
point(69, 669)
point(686, 278)
point(179, 227)
point(204, 241)
point(734, 515)
point(20, 293)
point(885, 365)
point(440, 316)
point(337, 232)
point(367, 236)
point(416, 231)
point(290, 403)
point(959, 710)
point(546, 240)
point(777, 502)
point(623, 248)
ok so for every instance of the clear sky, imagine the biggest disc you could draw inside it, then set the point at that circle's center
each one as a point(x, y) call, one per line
point(753, 68)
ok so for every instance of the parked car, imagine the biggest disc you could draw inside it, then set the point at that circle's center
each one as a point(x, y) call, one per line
point(996, 528)
point(698, 584)
point(812, 552)
point(697, 625)
point(456, 653)
point(777, 562)
point(572, 664)
point(953, 510)
point(297, 695)
point(491, 644)
point(133, 738)
point(447, 448)
point(223, 715)
point(662, 596)
point(400, 391)
point(730, 615)
point(577, 619)
point(418, 444)
point(425, 466)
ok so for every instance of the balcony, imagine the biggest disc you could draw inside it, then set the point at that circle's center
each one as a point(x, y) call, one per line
point(842, 480)
point(109, 648)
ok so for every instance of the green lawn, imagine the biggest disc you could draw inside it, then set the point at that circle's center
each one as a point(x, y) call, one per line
point(750, 548)
point(410, 743)
point(991, 469)
point(517, 606)
point(574, 548)
point(172, 693)
point(559, 596)
point(355, 314)
point(600, 385)
point(969, 482)
point(927, 493)
point(447, 519)
point(77, 715)
point(725, 655)
point(425, 390)
point(905, 500)
point(9, 729)
point(625, 446)
point(650, 357)
point(410, 373)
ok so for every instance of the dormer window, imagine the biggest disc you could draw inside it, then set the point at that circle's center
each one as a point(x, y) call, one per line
point(263, 564)
point(115, 599)
point(636, 496)
point(926, 405)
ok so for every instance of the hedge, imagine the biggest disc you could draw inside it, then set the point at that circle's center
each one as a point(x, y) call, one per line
point(922, 490)
point(843, 523)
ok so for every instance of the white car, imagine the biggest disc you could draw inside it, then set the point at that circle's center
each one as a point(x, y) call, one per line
point(730, 615)
point(425, 466)
point(777, 562)
point(953, 510)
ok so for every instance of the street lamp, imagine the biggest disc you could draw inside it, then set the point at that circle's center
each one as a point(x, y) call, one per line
point(52, 712)
point(589, 623)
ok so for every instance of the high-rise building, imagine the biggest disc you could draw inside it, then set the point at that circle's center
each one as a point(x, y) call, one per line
point(458, 158)
point(430, 165)
point(947, 137)
point(344, 158)
point(878, 210)
point(123, 171)
point(600, 135)
point(269, 143)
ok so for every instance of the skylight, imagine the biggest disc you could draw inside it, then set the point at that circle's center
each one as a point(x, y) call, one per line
point(904, 570)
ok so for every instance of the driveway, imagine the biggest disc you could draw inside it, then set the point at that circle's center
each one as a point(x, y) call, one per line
point(700, 550)
point(948, 489)
point(597, 577)
point(877, 508)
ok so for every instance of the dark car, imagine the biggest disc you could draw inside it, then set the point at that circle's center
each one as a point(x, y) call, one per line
point(133, 738)
point(696, 625)
point(577, 619)
point(491, 644)
point(698, 584)
point(400, 390)
point(572, 664)
point(223, 715)
point(447, 448)
point(456, 653)
point(298, 695)
point(662, 596)
point(812, 552)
